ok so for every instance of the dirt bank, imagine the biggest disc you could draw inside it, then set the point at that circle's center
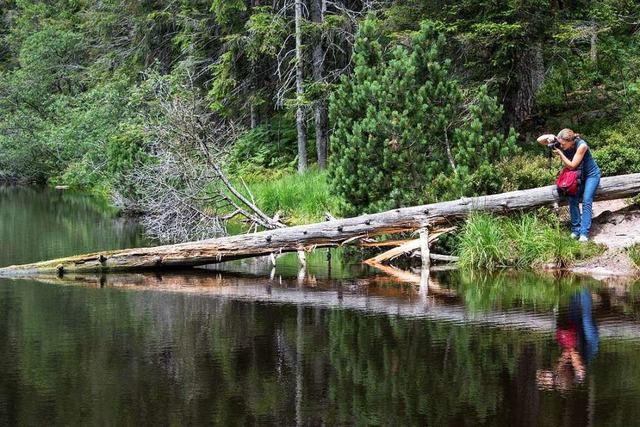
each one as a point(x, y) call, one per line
point(617, 226)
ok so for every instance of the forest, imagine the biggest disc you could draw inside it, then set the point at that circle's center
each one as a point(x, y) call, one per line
point(205, 115)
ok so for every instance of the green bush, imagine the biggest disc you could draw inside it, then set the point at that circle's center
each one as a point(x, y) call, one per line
point(518, 172)
point(526, 171)
point(618, 160)
point(272, 145)
point(617, 148)
point(405, 131)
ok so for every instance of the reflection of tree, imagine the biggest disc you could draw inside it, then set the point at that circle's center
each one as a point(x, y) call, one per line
point(392, 371)
point(67, 222)
point(77, 355)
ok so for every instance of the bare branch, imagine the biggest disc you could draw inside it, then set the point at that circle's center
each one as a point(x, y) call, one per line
point(184, 191)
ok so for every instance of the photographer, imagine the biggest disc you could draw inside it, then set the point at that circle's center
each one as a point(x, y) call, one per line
point(573, 152)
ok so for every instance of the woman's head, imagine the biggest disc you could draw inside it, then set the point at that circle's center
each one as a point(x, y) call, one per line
point(567, 138)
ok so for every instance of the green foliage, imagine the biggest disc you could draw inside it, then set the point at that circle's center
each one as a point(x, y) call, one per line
point(634, 254)
point(268, 32)
point(401, 121)
point(617, 148)
point(37, 94)
point(490, 242)
point(299, 199)
point(247, 53)
point(593, 66)
point(524, 171)
point(69, 144)
point(618, 159)
point(500, 38)
point(225, 10)
point(126, 151)
point(53, 58)
point(482, 244)
point(268, 146)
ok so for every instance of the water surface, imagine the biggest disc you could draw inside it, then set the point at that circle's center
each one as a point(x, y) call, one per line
point(326, 346)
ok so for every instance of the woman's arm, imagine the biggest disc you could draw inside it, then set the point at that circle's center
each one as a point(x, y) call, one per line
point(546, 139)
point(577, 158)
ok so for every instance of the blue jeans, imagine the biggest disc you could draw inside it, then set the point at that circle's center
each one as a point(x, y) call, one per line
point(581, 222)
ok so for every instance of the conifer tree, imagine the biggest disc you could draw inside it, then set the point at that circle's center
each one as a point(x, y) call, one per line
point(402, 122)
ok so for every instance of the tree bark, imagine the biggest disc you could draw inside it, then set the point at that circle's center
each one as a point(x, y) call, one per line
point(530, 70)
point(300, 113)
point(318, 9)
point(325, 234)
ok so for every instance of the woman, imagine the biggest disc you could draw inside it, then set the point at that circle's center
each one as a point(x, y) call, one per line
point(573, 151)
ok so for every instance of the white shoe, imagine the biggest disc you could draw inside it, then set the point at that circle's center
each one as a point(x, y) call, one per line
point(583, 238)
point(574, 236)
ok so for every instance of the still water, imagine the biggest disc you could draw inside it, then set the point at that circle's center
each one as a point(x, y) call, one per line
point(335, 344)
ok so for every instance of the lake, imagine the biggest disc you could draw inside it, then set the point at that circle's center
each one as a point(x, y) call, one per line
point(333, 344)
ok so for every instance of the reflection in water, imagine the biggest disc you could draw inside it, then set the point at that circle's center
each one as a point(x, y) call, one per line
point(226, 350)
point(577, 335)
point(38, 224)
point(323, 346)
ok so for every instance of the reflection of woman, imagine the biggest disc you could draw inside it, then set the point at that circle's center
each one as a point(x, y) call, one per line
point(578, 337)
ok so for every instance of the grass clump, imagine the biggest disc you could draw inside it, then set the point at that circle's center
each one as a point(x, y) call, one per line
point(482, 243)
point(529, 240)
point(634, 253)
point(300, 199)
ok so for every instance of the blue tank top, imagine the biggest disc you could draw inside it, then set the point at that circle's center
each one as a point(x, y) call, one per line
point(590, 167)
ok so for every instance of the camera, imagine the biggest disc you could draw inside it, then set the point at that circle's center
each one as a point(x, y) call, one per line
point(553, 145)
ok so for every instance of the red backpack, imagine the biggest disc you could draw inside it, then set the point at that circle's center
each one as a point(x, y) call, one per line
point(568, 182)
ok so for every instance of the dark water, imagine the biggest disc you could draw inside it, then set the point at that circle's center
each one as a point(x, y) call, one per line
point(338, 346)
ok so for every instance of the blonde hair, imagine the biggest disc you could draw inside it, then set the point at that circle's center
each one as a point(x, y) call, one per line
point(567, 135)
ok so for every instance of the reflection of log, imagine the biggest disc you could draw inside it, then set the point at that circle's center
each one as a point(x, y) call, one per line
point(406, 276)
point(369, 295)
point(324, 234)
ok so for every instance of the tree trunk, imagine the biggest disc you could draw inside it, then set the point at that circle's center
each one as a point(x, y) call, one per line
point(300, 113)
point(318, 9)
point(530, 70)
point(593, 40)
point(325, 234)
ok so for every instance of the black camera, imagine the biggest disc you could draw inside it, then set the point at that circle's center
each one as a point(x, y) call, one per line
point(553, 145)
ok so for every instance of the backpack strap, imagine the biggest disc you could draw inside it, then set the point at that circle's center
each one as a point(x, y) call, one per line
point(580, 168)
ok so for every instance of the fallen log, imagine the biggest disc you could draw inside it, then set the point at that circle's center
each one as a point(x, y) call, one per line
point(325, 234)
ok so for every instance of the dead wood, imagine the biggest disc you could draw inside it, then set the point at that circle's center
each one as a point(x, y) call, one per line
point(406, 247)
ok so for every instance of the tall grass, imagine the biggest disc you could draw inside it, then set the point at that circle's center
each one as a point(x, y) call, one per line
point(483, 243)
point(299, 199)
point(489, 242)
point(634, 253)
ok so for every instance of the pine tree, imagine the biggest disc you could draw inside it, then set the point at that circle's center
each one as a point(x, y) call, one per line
point(401, 122)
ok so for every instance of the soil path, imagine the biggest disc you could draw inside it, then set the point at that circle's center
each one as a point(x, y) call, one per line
point(616, 225)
